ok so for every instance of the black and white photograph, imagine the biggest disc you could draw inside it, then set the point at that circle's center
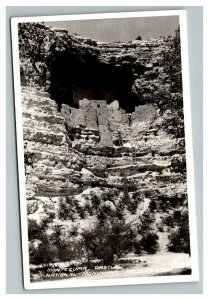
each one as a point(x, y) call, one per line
point(104, 149)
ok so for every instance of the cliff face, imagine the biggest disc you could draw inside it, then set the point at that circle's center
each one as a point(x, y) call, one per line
point(64, 157)
point(94, 134)
point(74, 68)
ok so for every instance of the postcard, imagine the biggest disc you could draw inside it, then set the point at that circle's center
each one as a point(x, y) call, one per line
point(104, 142)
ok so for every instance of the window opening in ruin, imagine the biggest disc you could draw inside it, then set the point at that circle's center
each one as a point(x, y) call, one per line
point(120, 139)
point(129, 119)
point(97, 122)
point(116, 143)
point(98, 105)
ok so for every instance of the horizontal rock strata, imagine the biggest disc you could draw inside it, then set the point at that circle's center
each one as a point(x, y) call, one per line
point(86, 148)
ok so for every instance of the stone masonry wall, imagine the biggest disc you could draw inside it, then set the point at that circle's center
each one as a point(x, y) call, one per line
point(109, 122)
point(91, 114)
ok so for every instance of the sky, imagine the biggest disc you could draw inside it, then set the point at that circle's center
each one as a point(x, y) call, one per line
point(125, 29)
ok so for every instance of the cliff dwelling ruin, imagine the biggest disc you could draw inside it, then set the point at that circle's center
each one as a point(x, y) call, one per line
point(74, 78)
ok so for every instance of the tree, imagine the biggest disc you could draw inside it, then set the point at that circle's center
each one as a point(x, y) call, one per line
point(179, 239)
point(36, 231)
point(138, 38)
point(149, 242)
point(172, 62)
point(45, 253)
point(149, 239)
point(108, 240)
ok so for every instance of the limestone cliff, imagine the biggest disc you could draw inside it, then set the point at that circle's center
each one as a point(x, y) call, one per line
point(94, 132)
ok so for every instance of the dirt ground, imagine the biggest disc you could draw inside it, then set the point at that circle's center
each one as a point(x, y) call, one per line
point(131, 266)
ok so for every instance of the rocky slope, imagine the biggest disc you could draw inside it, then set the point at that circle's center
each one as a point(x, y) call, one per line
point(71, 177)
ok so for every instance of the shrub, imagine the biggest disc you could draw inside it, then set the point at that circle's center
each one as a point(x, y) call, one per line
point(91, 42)
point(149, 242)
point(138, 38)
point(108, 240)
point(45, 253)
point(66, 249)
point(36, 231)
point(132, 206)
point(153, 205)
point(149, 239)
point(178, 164)
point(65, 211)
point(179, 239)
point(146, 222)
point(29, 159)
point(168, 220)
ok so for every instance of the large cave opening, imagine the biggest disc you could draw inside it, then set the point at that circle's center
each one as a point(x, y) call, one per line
point(74, 77)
